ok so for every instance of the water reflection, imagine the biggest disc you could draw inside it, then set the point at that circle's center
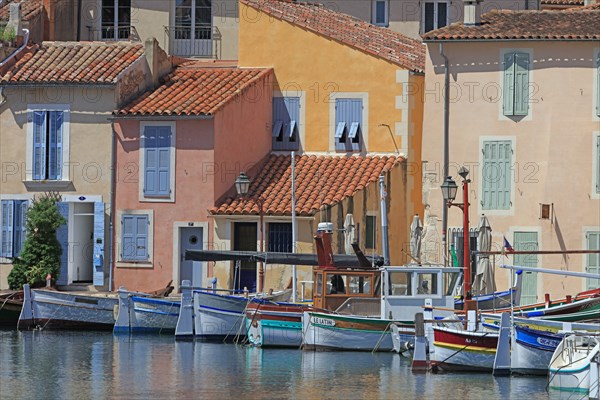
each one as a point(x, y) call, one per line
point(97, 365)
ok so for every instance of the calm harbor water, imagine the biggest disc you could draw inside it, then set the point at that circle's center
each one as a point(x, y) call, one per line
point(75, 365)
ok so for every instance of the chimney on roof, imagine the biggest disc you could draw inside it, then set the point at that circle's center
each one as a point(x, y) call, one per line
point(49, 18)
point(158, 61)
point(14, 19)
point(472, 12)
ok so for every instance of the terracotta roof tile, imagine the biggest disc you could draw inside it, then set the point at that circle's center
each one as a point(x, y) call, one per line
point(581, 23)
point(320, 181)
point(380, 42)
point(194, 89)
point(74, 63)
point(29, 9)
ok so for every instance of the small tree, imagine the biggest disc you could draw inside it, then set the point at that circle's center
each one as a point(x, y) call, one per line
point(41, 251)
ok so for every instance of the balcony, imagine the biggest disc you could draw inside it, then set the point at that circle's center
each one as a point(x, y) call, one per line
point(112, 33)
point(200, 41)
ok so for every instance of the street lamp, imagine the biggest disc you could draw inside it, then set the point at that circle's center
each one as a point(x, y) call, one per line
point(449, 189)
point(242, 185)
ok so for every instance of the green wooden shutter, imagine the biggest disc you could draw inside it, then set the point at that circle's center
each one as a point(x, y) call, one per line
point(496, 175)
point(509, 84)
point(593, 260)
point(527, 241)
point(598, 164)
point(521, 106)
point(598, 85)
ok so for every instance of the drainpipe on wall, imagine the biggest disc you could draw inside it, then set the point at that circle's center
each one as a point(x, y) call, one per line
point(446, 149)
point(113, 180)
point(385, 244)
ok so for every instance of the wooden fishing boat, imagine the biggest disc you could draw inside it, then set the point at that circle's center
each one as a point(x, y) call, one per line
point(140, 313)
point(49, 309)
point(11, 302)
point(457, 349)
point(270, 324)
point(496, 300)
point(365, 323)
point(574, 365)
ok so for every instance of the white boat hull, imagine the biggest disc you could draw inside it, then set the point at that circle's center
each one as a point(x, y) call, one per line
point(571, 368)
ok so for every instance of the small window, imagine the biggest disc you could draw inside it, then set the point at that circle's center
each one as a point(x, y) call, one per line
point(370, 231)
point(336, 284)
point(134, 237)
point(434, 15)
point(427, 284)
point(348, 121)
point(360, 284)
point(319, 286)
point(400, 283)
point(280, 237)
point(286, 117)
point(380, 13)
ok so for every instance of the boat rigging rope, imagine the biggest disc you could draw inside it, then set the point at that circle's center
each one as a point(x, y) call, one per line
point(381, 337)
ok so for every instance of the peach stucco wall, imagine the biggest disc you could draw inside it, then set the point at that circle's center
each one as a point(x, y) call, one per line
point(210, 153)
point(553, 147)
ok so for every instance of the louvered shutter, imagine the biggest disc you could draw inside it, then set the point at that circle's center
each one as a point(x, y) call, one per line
point(508, 95)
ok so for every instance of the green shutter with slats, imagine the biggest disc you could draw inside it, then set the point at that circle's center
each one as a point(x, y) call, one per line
point(527, 241)
point(496, 175)
point(593, 260)
point(521, 106)
point(598, 85)
point(598, 164)
point(509, 84)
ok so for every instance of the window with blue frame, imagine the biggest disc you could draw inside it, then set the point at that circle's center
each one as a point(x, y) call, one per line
point(48, 130)
point(157, 161)
point(286, 120)
point(348, 124)
point(134, 237)
point(13, 227)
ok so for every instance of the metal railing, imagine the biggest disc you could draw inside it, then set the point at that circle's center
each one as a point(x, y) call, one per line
point(202, 41)
point(109, 33)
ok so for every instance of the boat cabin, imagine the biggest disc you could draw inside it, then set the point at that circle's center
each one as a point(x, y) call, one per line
point(405, 288)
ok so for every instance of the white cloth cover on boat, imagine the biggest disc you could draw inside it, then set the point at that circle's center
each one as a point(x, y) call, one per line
point(349, 234)
point(485, 281)
point(416, 235)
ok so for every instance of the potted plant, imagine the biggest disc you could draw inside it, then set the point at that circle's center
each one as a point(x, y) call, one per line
point(9, 36)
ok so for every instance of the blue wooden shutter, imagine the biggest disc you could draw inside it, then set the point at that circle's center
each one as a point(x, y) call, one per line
point(98, 261)
point(342, 116)
point(163, 152)
point(150, 161)
point(7, 228)
point(55, 140)
point(20, 226)
point(521, 106)
point(593, 260)
point(509, 84)
point(355, 123)
point(281, 119)
point(496, 176)
point(141, 239)
point(292, 105)
point(127, 237)
point(39, 145)
point(62, 234)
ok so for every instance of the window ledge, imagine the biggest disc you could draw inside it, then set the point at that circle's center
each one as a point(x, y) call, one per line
point(134, 264)
point(47, 184)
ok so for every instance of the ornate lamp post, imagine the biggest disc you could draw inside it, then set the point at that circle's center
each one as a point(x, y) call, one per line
point(242, 184)
point(449, 189)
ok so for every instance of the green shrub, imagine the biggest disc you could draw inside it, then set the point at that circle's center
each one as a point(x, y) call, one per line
point(41, 251)
point(9, 34)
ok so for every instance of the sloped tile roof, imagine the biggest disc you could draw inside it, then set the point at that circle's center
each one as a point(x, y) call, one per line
point(320, 181)
point(29, 9)
point(374, 40)
point(194, 89)
point(74, 63)
point(572, 24)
